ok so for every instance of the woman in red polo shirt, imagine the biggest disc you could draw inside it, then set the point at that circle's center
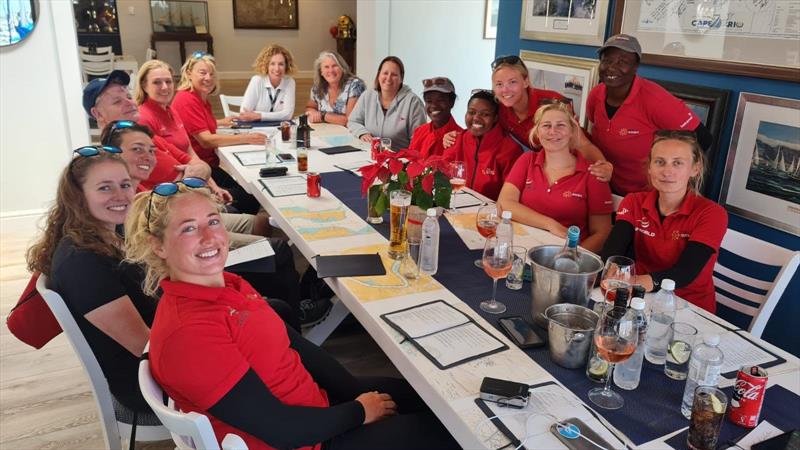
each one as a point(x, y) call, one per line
point(672, 231)
point(439, 95)
point(486, 150)
point(219, 350)
point(553, 189)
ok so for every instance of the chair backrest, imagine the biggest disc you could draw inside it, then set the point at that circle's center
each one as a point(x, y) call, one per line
point(149, 54)
point(228, 101)
point(750, 277)
point(98, 62)
point(189, 430)
point(102, 394)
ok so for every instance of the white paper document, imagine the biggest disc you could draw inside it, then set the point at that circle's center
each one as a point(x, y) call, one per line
point(252, 157)
point(761, 433)
point(464, 199)
point(283, 186)
point(550, 403)
point(459, 343)
point(427, 319)
point(250, 252)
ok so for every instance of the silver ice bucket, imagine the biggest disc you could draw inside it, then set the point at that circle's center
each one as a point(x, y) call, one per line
point(549, 286)
point(570, 330)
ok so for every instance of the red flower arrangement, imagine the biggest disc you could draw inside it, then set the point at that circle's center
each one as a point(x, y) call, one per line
point(426, 179)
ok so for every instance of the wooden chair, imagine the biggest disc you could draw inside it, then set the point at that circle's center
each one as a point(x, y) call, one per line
point(96, 63)
point(745, 280)
point(228, 101)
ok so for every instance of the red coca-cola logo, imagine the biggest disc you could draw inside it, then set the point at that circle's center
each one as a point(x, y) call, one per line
point(746, 390)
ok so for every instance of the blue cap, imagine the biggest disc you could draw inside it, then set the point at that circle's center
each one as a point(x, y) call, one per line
point(96, 87)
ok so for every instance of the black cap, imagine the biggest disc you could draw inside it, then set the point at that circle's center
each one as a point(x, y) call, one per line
point(96, 87)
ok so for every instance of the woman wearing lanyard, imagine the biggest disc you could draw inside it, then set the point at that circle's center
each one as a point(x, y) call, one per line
point(672, 231)
point(439, 95)
point(485, 148)
point(335, 91)
point(553, 189)
point(270, 94)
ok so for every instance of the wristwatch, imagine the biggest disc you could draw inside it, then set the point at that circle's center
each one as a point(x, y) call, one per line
point(323, 116)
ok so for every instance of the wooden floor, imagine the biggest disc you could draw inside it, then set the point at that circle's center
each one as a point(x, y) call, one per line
point(45, 398)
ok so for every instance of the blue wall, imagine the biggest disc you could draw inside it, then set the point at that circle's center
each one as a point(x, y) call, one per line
point(781, 328)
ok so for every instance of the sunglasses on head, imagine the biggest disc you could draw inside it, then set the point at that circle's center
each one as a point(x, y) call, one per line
point(438, 81)
point(94, 150)
point(169, 189)
point(199, 54)
point(116, 126)
point(478, 91)
point(553, 101)
point(512, 60)
point(673, 134)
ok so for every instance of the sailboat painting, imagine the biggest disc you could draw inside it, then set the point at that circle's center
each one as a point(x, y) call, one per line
point(775, 168)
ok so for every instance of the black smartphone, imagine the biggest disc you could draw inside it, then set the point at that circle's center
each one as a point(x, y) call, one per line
point(241, 126)
point(521, 332)
point(285, 157)
point(576, 435)
point(267, 172)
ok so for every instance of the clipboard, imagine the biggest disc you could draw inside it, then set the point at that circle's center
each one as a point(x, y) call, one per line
point(339, 149)
point(361, 265)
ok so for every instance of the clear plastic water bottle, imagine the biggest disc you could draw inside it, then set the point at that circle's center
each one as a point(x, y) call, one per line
point(628, 373)
point(704, 370)
point(662, 314)
point(429, 246)
point(568, 259)
point(505, 231)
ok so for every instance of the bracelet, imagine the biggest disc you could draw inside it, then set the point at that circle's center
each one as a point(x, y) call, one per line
point(323, 116)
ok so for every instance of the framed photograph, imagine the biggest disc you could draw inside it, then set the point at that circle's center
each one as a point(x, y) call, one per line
point(710, 105)
point(756, 38)
point(490, 19)
point(762, 174)
point(572, 77)
point(571, 21)
point(265, 14)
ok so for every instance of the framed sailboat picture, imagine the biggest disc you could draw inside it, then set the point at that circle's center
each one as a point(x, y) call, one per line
point(762, 172)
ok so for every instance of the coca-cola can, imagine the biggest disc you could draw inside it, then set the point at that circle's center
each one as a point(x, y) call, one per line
point(313, 184)
point(748, 396)
point(375, 147)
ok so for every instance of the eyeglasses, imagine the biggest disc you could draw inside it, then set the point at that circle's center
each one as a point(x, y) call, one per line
point(438, 81)
point(116, 126)
point(94, 150)
point(169, 189)
point(675, 134)
point(511, 60)
point(478, 91)
point(555, 100)
point(199, 54)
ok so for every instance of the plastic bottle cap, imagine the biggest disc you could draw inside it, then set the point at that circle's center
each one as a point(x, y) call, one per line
point(667, 284)
point(431, 212)
point(506, 215)
point(638, 303)
point(711, 340)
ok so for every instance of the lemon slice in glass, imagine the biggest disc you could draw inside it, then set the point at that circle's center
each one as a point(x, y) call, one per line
point(716, 404)
point(598, 367)
point(680, 351)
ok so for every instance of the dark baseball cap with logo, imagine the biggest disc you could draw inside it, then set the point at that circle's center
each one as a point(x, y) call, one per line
point(96, 87)
point(624, 42)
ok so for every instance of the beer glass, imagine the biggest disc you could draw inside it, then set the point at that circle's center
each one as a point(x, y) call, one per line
point(399, 201)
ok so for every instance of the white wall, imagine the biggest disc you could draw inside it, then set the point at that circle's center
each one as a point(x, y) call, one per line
point(41, 118)
point(432, 37)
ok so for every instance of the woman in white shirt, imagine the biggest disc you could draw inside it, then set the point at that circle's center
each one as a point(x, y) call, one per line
point(270, 94)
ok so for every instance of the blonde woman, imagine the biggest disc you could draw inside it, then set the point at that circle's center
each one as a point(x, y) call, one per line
point(335, 92)
point(216, 349)
point(671, 230)
point(270, 94)
point(553, 189)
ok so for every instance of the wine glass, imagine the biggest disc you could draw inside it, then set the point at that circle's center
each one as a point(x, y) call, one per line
point(458, 178)
point(618, 272)
point(486, 221)
point(615, 337)
point(497, 259)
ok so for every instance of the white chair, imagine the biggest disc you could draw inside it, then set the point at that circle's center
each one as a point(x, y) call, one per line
point(114, 430)
point(149, 54)
point(228, 101)
point(97, 63)
point(190, 431)
point(741, 292)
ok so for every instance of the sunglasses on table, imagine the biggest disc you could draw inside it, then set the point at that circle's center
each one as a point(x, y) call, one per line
point(94, 150)
point(511, 60)
point(438, 81)
point(172, 188)
point(115, 127)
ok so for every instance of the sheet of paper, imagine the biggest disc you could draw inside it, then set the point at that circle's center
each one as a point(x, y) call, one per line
point(335, 141)
point(252, 157)
point(427, 319)
point(354, 166)
point(548, 404)
point(250, 252)
point(283, 186)
point(761, 433)
point(464, 199)
point(459, 343)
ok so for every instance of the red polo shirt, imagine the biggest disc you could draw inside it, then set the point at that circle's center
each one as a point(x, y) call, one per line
point(625, 139)
point(570, 200)
point(167, 157)
point(197, 117)
point(521, 129)
point(659, 245)
point(204, 339)
point(488, 159)
point(428, 140)
point(163, 122)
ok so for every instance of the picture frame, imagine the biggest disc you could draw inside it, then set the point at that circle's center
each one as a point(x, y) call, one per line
point(570, 76)
point(723, 37)
point(762, 171)
point(708, 104)
point(490, 19)
point(254, 14)
point(569, 21)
